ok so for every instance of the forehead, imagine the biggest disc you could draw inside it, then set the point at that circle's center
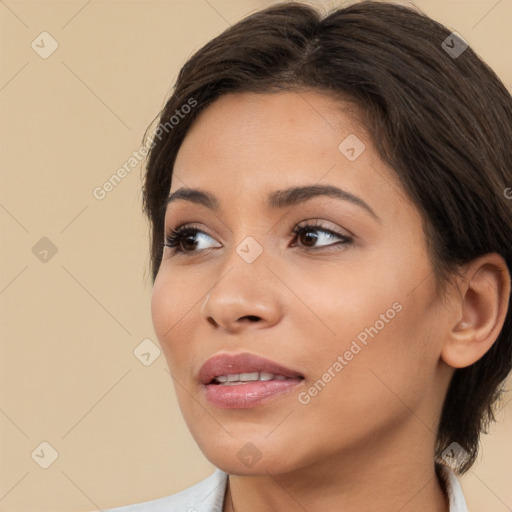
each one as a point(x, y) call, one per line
point(248, 144)
point(285, 120)
point(277, 135)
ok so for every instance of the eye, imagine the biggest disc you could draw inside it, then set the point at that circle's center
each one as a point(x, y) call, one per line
point(308, 235)
point(188, 240)
point(184, 239)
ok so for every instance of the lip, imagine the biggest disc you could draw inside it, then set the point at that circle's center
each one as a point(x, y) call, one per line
point(252, 393)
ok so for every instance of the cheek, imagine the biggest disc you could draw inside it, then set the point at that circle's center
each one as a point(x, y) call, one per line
point(384, 332)
point(388, 367)
point(161, 307)
point(340, 302)
point(170, 310)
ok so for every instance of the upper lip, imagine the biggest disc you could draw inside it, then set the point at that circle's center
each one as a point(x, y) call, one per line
point(227, 364)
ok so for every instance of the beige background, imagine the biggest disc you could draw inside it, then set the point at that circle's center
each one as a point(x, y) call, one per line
point(70, 324)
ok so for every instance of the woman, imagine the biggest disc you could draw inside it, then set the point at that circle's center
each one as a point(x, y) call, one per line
point(330, 207)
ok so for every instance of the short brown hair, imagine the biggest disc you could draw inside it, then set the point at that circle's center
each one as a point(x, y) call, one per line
point(442, 121)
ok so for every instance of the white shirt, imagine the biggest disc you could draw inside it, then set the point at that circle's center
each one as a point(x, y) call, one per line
point(208, 496)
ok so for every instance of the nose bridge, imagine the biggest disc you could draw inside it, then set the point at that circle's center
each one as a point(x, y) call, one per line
point(249, 245)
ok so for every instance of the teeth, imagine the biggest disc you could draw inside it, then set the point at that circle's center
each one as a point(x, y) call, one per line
point(249, 376)
point(240, 378)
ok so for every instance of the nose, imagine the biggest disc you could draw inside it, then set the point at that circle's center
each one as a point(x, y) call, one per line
point(244, 298)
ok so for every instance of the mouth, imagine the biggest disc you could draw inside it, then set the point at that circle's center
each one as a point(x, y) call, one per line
point(240, 381)
point(233, 379)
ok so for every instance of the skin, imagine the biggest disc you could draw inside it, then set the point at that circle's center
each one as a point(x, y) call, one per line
point(366, 440)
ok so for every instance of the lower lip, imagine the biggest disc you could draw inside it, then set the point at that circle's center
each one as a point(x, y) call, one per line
point(250, 394)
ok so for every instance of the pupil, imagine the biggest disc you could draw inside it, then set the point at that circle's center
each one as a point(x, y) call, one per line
point(190, 238)
point(310, 236)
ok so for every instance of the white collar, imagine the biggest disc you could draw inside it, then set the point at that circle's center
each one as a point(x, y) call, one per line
point(454, 490)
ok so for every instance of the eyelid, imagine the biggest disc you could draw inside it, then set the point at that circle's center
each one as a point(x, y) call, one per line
point(188, 225)
point(313, 222)
point(321, 225)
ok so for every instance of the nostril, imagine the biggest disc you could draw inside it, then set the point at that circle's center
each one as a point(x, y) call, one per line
point(212, 321)
point(252, 318)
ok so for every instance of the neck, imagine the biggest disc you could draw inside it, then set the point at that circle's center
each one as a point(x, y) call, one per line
point(388, 481)
point(416, 498)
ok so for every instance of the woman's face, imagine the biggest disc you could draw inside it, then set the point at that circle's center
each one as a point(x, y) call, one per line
point(346, 309)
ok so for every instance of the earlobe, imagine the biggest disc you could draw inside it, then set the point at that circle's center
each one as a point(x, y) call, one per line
point(481, 311)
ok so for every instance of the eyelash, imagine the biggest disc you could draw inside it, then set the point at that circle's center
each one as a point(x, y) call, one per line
point(174, 239)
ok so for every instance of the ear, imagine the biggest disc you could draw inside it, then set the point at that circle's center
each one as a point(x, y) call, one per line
point(481, 309)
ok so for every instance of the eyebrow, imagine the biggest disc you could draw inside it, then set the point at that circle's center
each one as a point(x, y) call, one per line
point(277, 199)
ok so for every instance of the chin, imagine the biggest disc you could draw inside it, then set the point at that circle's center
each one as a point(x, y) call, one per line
point(241, 456)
